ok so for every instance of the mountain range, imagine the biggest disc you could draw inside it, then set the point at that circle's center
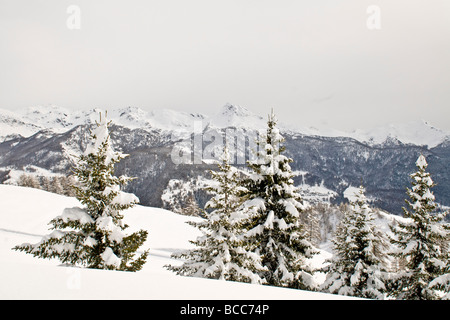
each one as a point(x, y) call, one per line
point(46, 139)
point(29, 121)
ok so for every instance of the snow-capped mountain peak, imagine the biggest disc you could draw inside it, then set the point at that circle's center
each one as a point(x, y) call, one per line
point(167, 119)
point(236, 116)
point(235, 110)
point(27, 122)
point(413, 132)
point(50, 116)
point(131, 117)
point(12, 125)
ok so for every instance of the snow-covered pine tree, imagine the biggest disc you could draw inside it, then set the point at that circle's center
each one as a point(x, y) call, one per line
point(56, 185)
point(275, 229)
point(442, 282)
point(94, 236)
point(220, 252)
point(46, 183)
point(311, 220)
point(420, 241)
point(360, 260)
point(68, 183)
point(191, 208)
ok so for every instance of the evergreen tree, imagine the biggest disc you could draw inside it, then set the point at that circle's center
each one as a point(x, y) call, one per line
point(360, 260)
point(220, 252)
point(192, 208)
point(275, 229)
point(68, 183)
point(56, 185)
point(311, 220)
point(419, 241)
point(93, 236)
point(46, 183)
point(442, 282)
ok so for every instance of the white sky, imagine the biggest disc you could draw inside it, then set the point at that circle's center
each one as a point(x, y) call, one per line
point(314, 61)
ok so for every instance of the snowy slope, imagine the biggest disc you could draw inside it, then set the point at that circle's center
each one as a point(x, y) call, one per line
point(24, 216)
point(30, 120)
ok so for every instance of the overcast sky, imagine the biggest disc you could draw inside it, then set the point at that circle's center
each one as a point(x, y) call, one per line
point(316, 62)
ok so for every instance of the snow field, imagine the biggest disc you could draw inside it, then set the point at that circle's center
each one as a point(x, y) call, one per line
point(24, 216)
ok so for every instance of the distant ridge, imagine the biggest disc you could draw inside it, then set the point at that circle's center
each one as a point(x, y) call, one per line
point(28, 121)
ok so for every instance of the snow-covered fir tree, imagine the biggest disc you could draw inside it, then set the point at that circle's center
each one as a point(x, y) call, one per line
point(220, 252)
point(275, 228)
point(56, 185)
point(360, 259)
point(312, 223)
point(192, 208)
point(93, 236)
point(420, 241)
point(442, 282)
point(46, 183)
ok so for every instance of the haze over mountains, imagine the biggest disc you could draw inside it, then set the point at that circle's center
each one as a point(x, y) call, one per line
point(48, 137)
point(26, 122)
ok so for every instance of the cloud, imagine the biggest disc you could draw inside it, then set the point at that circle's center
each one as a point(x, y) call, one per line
point(196, 55)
